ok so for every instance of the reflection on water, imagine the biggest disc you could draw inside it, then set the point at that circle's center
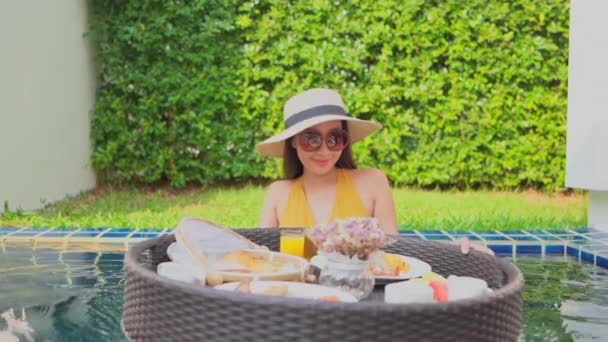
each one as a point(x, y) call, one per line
point(75, 294)
point(564, 300)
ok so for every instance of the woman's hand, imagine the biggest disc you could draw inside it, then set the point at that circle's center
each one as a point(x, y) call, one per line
point(466, 245)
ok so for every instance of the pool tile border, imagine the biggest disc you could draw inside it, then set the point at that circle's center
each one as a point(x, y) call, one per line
point(584, 244)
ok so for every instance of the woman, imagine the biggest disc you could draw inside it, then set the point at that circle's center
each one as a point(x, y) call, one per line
point(321, 181)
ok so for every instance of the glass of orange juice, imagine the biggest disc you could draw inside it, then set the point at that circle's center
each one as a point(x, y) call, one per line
point(294, 241)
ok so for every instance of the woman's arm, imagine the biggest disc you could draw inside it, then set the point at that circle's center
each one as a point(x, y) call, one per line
point(384, 205)
point(269, 217)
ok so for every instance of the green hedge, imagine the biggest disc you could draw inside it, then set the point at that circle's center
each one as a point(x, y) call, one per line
point(471, 93)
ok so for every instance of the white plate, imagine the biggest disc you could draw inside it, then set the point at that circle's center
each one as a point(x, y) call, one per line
point(294, 289)
point(178, 254)
point(417, 269)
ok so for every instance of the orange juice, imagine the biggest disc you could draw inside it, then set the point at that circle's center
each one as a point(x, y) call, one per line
point(294, 241)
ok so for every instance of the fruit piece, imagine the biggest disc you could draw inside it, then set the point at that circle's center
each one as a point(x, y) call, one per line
point(394, 265)
point(440, 290)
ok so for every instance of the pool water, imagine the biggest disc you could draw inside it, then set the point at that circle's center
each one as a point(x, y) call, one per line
point(76, 295)
point(564, 300)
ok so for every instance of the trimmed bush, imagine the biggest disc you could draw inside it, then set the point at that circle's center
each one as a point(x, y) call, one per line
point(471, 94)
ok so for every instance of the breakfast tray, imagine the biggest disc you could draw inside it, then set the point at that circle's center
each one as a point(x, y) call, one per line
point(160, 309)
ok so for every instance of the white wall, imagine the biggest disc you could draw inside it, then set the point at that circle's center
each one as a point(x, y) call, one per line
point(47, 87)
point(598, 210)
point(587, 150)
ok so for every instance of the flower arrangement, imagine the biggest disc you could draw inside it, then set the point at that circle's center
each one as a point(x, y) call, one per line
point(357, 236)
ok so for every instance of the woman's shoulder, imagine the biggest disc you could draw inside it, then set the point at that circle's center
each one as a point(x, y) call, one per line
point(370, 181)
point(277, 193)
point(280, 188)
point(368, 175)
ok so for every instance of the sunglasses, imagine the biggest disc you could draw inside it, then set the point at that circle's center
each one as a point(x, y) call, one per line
point(311, 140)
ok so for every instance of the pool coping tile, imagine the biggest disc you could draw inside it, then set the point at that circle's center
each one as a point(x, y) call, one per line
point(583, 244)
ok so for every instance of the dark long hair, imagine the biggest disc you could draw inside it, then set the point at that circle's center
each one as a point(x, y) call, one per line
point(293, 168)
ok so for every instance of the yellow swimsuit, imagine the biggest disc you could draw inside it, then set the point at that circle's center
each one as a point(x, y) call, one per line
point(348, 203)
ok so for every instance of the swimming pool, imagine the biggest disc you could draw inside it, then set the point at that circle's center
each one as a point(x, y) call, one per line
point(72, 290)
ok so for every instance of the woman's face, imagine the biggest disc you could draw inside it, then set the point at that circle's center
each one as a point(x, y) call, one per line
point(319, 147)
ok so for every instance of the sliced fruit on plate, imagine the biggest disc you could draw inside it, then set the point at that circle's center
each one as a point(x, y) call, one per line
point(390, 264)
point(440, 290)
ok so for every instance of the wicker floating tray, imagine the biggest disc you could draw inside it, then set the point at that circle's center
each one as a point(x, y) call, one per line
point(159, 309)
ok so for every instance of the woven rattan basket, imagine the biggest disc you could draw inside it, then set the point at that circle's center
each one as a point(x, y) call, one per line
point(159, 309)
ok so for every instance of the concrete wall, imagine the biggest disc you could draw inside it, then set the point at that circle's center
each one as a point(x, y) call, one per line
point(47, 89)
point(587, 151)
point(598, 210)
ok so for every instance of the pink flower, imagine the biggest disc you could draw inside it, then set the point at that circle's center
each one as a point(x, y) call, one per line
point(358, 236)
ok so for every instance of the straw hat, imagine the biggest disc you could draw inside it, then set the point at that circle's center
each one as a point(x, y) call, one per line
point(310, 108)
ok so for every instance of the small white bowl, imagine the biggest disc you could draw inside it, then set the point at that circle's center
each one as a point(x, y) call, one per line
point(465, 287)
point(410, 291)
